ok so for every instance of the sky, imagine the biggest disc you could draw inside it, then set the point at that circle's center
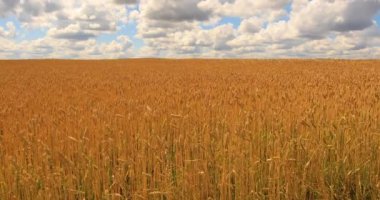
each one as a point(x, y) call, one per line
point(97, 29)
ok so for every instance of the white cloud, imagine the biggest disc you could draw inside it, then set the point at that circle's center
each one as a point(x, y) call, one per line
point(70, 32)
point(271, 10)
point(125, 1)
point(52, 48)
point(173, 10)
point(9, 31)
point(7, 6)
point(315, 28)
point(319, 17)
point(251, 25)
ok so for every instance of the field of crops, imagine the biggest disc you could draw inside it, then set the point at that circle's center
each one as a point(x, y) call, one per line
point(190, 129)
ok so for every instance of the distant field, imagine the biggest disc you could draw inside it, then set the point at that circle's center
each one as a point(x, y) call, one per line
point(190, 129)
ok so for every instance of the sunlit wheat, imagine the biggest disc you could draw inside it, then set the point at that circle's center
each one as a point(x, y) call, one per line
point(190, 129)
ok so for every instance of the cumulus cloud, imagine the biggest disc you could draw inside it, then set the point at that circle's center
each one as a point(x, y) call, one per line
point(319, 17)
point(251, 25)
point(174, 10)
point(71, 32)
point(271, 10)
point(315, 28)
point(125, 1)
point(52, 48)
point(7, 6)
point(9, 31)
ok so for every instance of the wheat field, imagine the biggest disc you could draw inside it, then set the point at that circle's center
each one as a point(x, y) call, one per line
point(190, 129)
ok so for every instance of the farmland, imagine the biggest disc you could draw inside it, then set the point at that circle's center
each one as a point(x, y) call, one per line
point(190, 129)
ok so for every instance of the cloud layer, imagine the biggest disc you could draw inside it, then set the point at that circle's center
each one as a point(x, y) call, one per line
point(189, 28)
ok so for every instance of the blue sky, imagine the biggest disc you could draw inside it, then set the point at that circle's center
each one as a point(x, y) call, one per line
point(189, 28)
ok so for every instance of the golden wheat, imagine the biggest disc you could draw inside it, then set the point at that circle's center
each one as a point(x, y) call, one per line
point(190, 129)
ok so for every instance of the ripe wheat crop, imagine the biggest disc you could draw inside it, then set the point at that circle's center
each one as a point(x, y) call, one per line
point(190, 129)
